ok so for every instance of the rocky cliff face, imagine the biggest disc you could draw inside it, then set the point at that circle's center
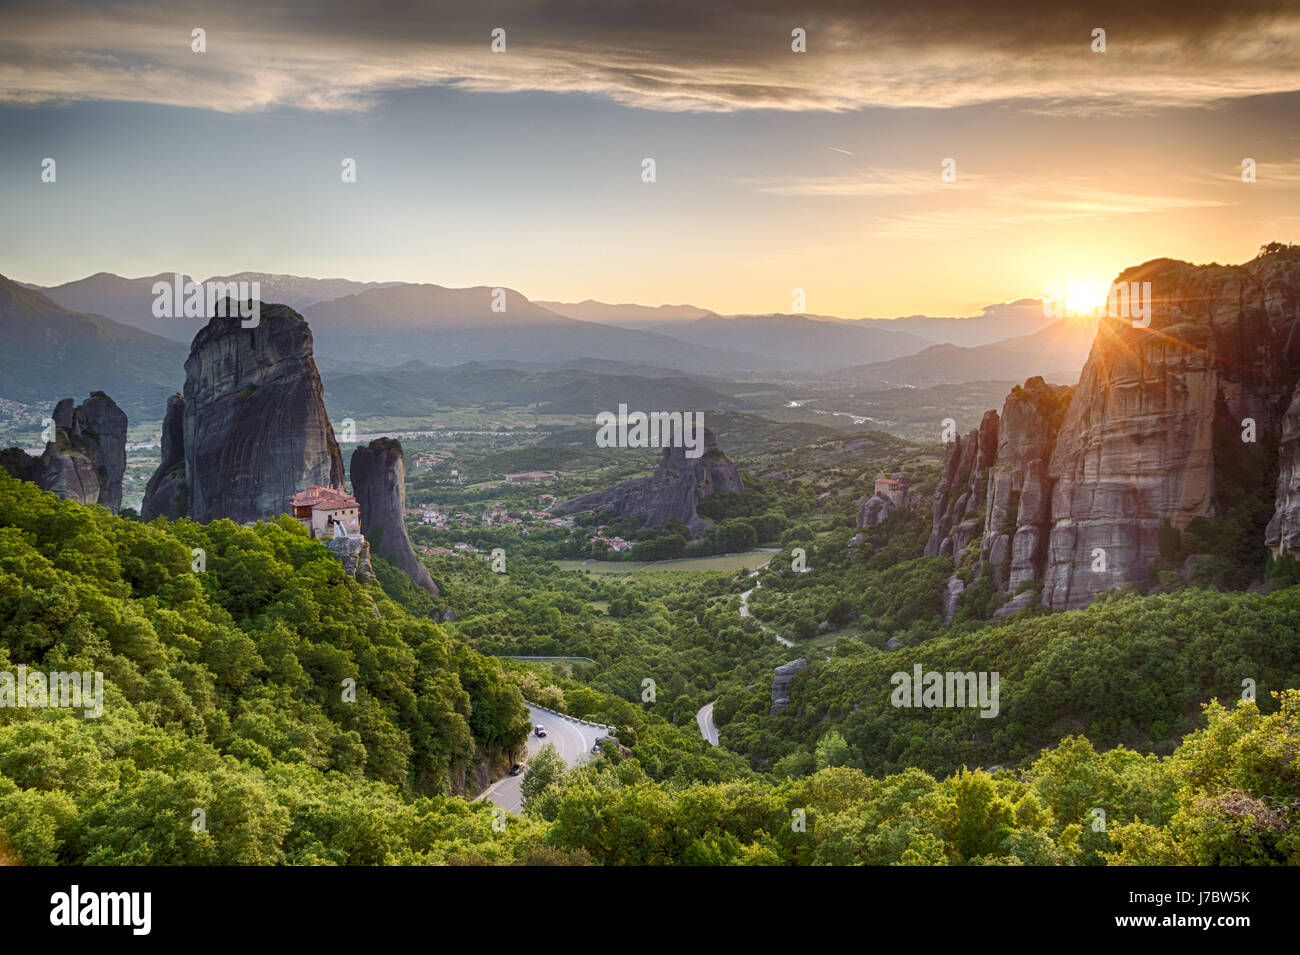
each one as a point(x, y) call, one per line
point(1077, 484)
point(963, 490)
point(166, 495)
point(99, 427)
point(671, 493)
point(378, 474)
point(1018, 519)
point(1283, 533)
point(86, 458)
point(1137, 447)
point(254, 428)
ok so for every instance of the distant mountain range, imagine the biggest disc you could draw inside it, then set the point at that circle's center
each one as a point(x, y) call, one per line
point(382, 324)
point(1055, 353)
point(407, 349)
point(797, 340)
point(994, 323)
point(593, 311)
point(443, 326)
point(51, 352)
point(131, 300)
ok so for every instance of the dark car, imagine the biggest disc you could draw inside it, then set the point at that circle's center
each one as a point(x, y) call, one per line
point(540, 730)
point(516, 769)
point(596, 747)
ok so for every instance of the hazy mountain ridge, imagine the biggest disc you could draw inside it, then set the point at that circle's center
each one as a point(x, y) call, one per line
point(53, 351)
point(444, 326)
point(797, 340)
point(626, 313)
point(1055, 353)
point(386, 319)
point(130, 301)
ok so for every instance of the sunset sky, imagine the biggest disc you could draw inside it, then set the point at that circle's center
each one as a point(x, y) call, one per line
point(775, 169)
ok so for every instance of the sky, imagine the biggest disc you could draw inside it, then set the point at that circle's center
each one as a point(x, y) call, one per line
point(775, 170)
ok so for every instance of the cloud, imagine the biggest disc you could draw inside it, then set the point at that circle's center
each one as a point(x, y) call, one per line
point(687, 55)
point(1025, 204)
point(867, 182)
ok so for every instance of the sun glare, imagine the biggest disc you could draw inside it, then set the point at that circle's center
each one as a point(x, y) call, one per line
point(1084, 297)
point(1076, 298)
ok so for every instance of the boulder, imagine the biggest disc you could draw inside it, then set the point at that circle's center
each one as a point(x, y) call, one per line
point(782, 680)
point(1017, 603)
point(353, 552)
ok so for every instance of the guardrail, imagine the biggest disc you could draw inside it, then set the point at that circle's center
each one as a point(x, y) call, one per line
point(573, 719)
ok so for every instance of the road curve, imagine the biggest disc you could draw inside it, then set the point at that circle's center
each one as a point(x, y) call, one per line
point(572, 742)
point(744, 612)
point(705, 718)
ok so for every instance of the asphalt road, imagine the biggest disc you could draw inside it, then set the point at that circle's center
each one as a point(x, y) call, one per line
point(572, 741)
point(705, 718)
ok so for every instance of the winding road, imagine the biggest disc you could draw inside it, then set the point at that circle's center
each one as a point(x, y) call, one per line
point(705, 718)
point(572, 741)
point(744, 612)
point(705, 715)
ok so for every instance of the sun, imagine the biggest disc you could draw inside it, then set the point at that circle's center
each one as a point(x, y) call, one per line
point(1083, 297)
point(1076, 298)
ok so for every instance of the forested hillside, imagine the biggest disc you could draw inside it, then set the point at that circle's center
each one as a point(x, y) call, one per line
point(225, 692)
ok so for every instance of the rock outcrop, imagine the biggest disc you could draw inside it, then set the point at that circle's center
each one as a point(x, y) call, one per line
point(889, 495)
point(353, 552)
point(1283, 533)
point(85, 460)
point(952, 592)
point(962, 492)
point(166, 495)
point(1018, 517)
point(1177, 406)
point(1137, 448)
point(378, 472)
point(254, 423)
point(782, 681)
point(671, 493)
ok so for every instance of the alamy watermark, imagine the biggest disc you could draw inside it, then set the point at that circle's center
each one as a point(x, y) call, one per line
point(950, 689)
point(56, 690)
point(1123, 300)
point(185, 298)
point(657, 429)
point(130, 909)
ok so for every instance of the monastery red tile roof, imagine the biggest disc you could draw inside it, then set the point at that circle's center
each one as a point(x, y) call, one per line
point(323, 498)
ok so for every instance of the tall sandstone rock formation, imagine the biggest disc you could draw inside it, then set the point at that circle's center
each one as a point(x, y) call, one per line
point(378, 472)
point(85, 459)
point(1019, 493)
point(1082, 480)
point(166, 494)
point(671, 493)
point(963, 490)
point(254, 428)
